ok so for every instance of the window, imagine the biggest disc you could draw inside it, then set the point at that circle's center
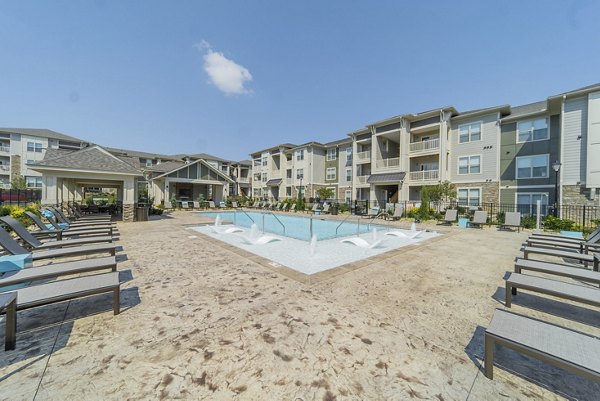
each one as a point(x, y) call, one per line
point(469, 132)
point(469, 165)
point(256, 192)
point(148, 162)
point(288, 173)
point(348, 196)
point(348, 154)
point(331, 154)
point(264, 161)
point(300, 155)
point(532, 130)
point(34, 147)
point(527, 202)
point(532, 166)
point(348, 174)
point(264, 177)
point(469, 196)
point(34, 182)
point(331, 174)
point(299, 173)
point(288, 191)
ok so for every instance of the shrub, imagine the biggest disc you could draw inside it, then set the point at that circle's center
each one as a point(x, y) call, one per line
point(343, 208)
point(557, 224)
point(528, 222)
point(500, 216)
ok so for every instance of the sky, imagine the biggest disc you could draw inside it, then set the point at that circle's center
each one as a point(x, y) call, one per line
point(232, 77)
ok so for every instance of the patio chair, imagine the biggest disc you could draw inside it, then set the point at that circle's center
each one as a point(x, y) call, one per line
point(60, 216)
point(556, 269)
point(11, 246)
point(479, 219)
point(315, 208)
point(511, 219)
point(449, 217)
point(234, 204)
point(397, 215)
point(570, 350)
point(374, 212)
point(559, 237)
point(325, 209)
point(560, 253)
point(211, 205)
point(185, 205)
point(578, 246)
point(57, 270)
point(64, 290)
point(35, 243)
point(292, 208)
point(53, 224)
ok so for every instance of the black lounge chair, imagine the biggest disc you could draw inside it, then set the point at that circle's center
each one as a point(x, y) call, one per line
point(57, 231)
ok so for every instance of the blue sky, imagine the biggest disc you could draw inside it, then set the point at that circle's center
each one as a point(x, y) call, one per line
point(231, 77)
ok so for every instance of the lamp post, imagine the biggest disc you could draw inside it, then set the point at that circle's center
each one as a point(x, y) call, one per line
point(556, 167)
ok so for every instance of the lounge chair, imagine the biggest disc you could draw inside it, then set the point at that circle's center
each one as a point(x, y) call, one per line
point(449, 217)
point(292, 208)
point(64, 290)
point(35, 243)
point(59, 215)
point(560, 289)
point(397, 215)
point(315, 208)
point(50, 230)
point(234, 204)
point(185, 205)
point(12, 247)
point(107, 228)
point(559, 253)
point(211, 205)
point(479, 219)
point(57, 269)
point(511, 219)
point(325, 208)
point(559, 237)
point(556, 269)
point(570, 350)
point(374, 212)
point(96, 218)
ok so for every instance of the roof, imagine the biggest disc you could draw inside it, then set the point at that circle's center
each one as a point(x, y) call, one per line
point(274, 182)
point(165, 166)
point(93, 158)
point(136, 153)
point(386, 177)
point(578, 91)
point(503, 109)
point(526, 110)
point(338, 142)
point(41, 132)
point(245, 162)
point(206, 156)
point(179, 166)
point(283, 145)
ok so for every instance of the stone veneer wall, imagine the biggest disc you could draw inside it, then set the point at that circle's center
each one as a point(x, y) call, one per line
point(577, 195)
point(490, 191)
point(15, 166)
point(128, 212)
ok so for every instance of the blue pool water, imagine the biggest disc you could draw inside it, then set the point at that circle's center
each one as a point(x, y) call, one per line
point(296, 226)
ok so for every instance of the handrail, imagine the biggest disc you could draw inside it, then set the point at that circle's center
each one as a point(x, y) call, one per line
point(339, 225)
point(373, 219)
point(276, 218)
point(243, 211)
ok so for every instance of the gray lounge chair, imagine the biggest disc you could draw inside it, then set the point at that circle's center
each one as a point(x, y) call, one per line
point(449, 217)
point(397, 215)
point(185, 205)
point(211, 205)
point(84, 223)
point(234, 204)
point(45, 232)
point(57, 269)
point(65, 227)
point(64, 290)
point(292, 208)
point(35, 243)
point(570, 350)
point(557, 269)
point(325, 209)
point(90, 219)
point(479, 219)
point(511, 219)
point(559, 237)
point(11, 246)
point(581, 257)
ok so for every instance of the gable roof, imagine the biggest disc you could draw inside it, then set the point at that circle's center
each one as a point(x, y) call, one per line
point(526, 110)
point(93, 158)
point(199, 161)
point(44, 133)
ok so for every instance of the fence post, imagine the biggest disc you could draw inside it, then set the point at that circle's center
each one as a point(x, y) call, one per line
point(583, 224)
point(538, 214)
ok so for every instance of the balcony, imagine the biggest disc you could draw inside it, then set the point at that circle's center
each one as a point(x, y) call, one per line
point(362, 179)
point(4, 168)
point(425, 146)
point(425, 175)
point(388, 163)
point(362, 157)
point(4, 149)
point(243, 180)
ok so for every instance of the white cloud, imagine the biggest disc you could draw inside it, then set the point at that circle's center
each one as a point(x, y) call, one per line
point(228, 76)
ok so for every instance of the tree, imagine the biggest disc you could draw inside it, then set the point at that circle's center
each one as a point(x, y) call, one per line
point(325, 193)
point(18, 182)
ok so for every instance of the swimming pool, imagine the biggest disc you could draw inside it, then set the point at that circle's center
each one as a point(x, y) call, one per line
point(295, 226)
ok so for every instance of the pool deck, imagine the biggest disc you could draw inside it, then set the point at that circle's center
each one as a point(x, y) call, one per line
point(201, 320)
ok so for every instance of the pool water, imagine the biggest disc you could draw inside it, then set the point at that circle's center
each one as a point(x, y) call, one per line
point(295, 226)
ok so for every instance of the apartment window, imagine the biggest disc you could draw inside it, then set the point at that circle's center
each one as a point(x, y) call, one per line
point(148, 162)
point(469, 196)
point(469, 132)
point(348, 174)
point(299, 173)
point(264, 177)
point(527, 202)
point(469, 165)
point(532, 166)
point(288, 173)
point(34, 182)
point(331, 154)
point(34, 147)
point(264, 161)
point(300, 155)
point(348, 154)
point(532, 130)
point(331, 174)
point(348, 196)
point(288, 191)
point(256, 192)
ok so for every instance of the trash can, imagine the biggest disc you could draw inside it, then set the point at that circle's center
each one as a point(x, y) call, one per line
point(334, 210)
point(141, 213)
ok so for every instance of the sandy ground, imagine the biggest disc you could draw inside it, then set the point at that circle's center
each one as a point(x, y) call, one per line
point(202, 322)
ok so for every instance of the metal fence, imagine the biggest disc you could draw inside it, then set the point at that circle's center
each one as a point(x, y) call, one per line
point(20, 197)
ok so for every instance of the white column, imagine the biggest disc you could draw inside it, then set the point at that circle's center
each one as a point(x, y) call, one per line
point(49, 190)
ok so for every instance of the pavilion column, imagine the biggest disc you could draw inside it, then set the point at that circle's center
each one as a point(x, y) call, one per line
point(49, 190)
point(167, 200)
point(128, 199)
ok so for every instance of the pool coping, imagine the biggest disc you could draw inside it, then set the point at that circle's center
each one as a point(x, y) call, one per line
point(328, 274)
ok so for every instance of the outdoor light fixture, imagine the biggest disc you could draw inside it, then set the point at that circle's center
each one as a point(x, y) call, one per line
point(556, 167)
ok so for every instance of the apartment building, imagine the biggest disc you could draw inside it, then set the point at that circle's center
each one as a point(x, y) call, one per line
point(268, 167)
point(22, 146)
point(338, 168)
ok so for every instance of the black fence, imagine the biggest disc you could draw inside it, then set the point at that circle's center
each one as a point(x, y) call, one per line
point(20, 197)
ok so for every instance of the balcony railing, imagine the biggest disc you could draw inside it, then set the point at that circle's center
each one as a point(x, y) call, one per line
point(363, 156)
point(388, 163)
point(4, 148)
point(362, 179)
point(424, 146)
point(425, 175)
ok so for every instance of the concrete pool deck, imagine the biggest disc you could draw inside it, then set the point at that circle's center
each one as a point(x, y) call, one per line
point(200, 321)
